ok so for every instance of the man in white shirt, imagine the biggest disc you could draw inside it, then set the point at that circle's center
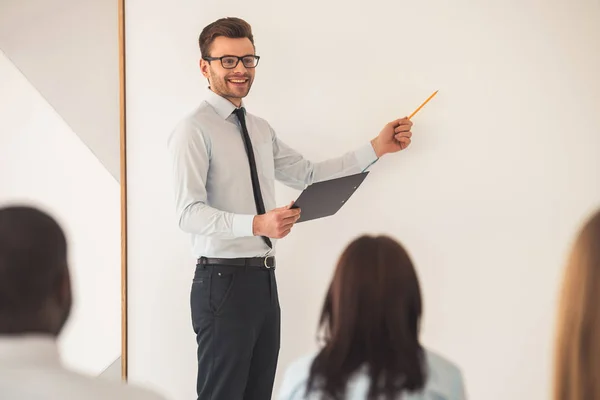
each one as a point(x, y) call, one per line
point(225, 163)
point(35, 301)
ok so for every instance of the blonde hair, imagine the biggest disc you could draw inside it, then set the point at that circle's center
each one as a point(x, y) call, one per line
point(577, 357)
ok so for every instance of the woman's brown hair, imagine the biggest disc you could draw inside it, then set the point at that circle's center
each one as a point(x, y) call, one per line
point(577, 357)
point(370, 319)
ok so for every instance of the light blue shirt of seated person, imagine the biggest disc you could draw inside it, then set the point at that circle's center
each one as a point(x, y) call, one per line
point(444, 382)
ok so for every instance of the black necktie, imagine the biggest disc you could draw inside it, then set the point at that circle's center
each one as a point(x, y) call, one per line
point(260, 206)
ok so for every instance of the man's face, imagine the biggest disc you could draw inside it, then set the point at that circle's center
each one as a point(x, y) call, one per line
point(233, 84)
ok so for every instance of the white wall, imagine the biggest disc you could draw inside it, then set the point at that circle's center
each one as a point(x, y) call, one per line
point(69, 50)
point(503, 167)
point(43, 163)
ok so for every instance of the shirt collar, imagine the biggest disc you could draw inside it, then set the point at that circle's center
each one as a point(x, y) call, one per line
point(222, 106)
point(29, 350)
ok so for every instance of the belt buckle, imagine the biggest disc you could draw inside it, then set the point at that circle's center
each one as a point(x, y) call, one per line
point(265, 262)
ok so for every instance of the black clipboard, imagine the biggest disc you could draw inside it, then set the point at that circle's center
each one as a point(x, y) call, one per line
point(325, 198)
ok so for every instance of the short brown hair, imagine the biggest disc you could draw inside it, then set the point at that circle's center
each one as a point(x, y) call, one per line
point(577, 365)
point(231, 27)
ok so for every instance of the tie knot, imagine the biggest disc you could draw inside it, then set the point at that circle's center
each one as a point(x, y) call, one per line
point(240, 112)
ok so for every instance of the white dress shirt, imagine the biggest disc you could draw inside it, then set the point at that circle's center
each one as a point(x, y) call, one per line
point(444, 382)
point(30, 369)
point(213, 189)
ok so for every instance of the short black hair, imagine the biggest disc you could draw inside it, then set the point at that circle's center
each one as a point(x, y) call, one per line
point(33, 262)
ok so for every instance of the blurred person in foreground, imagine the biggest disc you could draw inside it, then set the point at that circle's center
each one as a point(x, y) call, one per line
point(35, 301)
point(577, 357)
point(370, 326)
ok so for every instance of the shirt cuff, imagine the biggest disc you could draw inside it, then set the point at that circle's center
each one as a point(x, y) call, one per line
point(242, 225)
point(366, 156)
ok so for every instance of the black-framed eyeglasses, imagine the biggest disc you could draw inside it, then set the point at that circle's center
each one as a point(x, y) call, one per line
point(230, 62)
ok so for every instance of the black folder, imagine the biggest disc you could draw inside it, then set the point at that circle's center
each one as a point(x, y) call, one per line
point(325, 198)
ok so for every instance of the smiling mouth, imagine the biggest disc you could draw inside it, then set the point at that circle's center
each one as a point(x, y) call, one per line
point(238, 81)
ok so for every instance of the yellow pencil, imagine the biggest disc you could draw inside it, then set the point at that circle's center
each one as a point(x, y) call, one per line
point(421, 106)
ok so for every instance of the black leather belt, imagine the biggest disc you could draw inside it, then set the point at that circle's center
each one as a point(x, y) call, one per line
point(264, 262)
